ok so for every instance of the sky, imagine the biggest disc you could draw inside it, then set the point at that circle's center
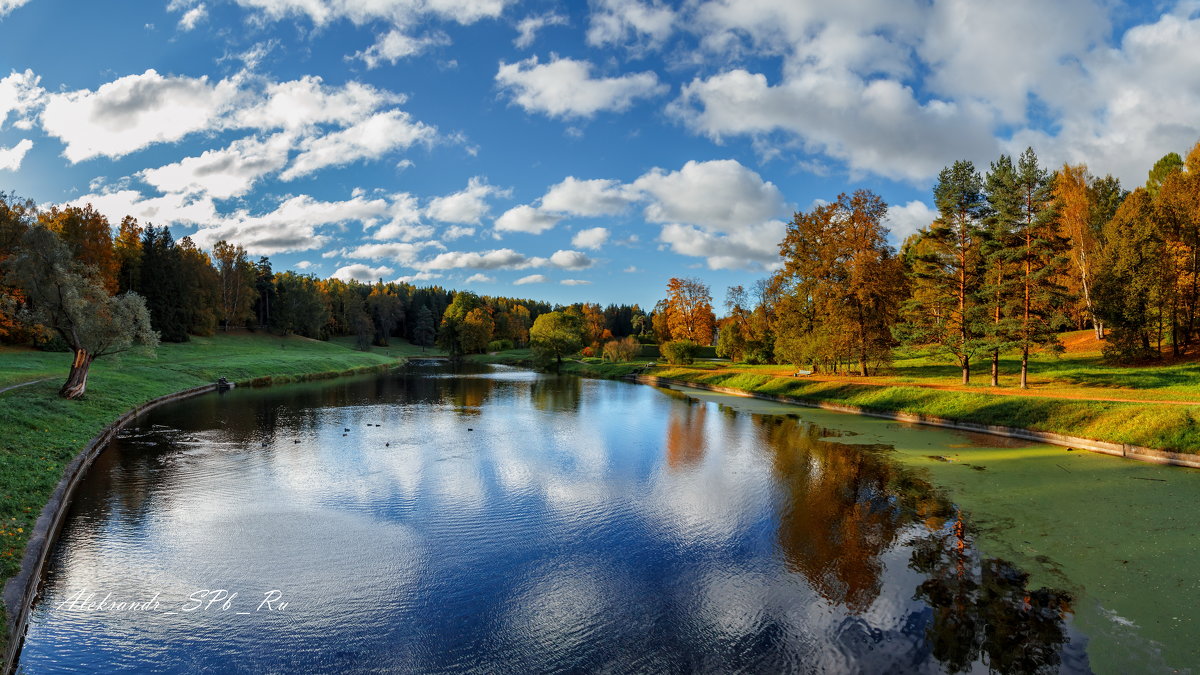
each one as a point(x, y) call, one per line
point(565, 151)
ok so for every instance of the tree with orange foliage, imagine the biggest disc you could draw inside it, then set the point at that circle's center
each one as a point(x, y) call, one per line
point(689, 312)
point(88, 236)
point(1072, 201)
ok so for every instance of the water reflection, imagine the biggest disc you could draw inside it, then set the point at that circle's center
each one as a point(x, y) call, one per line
point(488, 520)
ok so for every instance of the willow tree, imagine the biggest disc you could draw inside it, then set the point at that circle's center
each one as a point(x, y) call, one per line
point(70, 300)
point(947, 270)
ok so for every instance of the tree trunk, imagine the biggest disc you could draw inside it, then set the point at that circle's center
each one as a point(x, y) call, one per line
point(76, 382)
point(996, 368)
point(966, 364)
point(1025, 367)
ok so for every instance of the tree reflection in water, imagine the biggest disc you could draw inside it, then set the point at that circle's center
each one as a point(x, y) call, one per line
point(848, 505)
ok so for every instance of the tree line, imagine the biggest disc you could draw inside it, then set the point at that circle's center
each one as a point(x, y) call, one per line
point(1016, 255)
point(72, 281)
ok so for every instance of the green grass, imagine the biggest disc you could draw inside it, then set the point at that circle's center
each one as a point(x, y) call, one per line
point(398, 348)
point(41, 433)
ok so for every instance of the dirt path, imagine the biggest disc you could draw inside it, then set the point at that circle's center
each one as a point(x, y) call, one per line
point(23, 384)
point(987, 391)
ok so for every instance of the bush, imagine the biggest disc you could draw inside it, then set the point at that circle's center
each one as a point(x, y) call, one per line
point(621, 350)
point(679, 352)
point(499, 345)
point(588, 352)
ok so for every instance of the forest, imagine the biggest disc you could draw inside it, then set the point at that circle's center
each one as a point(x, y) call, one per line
point(1017, 254)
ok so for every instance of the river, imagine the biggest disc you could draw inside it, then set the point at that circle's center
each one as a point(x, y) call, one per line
point(496, 520)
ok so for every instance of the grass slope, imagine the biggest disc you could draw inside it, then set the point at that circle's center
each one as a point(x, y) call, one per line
point(40, 433)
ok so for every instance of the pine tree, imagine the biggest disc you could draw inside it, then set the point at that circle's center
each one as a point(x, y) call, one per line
point(424, 332)
point(947, 269)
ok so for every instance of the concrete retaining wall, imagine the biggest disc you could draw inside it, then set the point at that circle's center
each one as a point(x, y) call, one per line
point(1105, 447)
point(21, 590)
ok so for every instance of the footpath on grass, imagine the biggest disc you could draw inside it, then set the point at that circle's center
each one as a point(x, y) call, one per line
point(41, 434)
point(1148, 425)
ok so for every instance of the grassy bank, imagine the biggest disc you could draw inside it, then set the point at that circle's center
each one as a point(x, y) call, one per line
point(1165, 427)
point(40, 433)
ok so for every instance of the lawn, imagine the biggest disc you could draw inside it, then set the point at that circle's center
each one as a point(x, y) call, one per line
point(40, 433)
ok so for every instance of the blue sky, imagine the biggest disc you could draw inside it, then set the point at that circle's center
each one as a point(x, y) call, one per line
point(564, 151)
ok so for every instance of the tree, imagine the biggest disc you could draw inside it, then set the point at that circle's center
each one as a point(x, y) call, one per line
point(555, 335)
point(88, 236)
point(689, 311)
point(843, 281)
point(947, 270)
point(1074, 207)
point(424, 332)
point(386, 310)
point(16, 217)
point(300, 306)
point(127, 248)
point(475, 331)
point(202, 288)
point(1135, 283)
point(68, 299)
point(161, 284)
point(450, 332)
point(237, 277)
point(1026, 253)
point(1170, 163)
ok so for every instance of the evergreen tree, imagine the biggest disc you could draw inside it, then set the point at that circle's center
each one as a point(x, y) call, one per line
point(1134, 287)
point(947, 270)
point(161, 284)
point(424, 332)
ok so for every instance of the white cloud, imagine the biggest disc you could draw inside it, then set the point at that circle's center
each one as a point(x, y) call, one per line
point(419, 276)
point(480, 278)
point(636, 21)
point(630, 270)
point(592, 238)
point(720, 194)
point(11, 158)
point(465, 207)
point(586, 198)
point(361, 272)
point(7, 6)
point(20, 92)
point(457, 232)
point(369, 139)
point(135, 111)
point(397, 44)
point(571, 260)
point(905, 220)
point(397, 12)
point(403, 253)
point(192, 17)
point(526, 218)
point(304, 265)
point(528, 27)
point(531, 279)
point(307, 101)
point(169, 209)
point(565, 87)
point(751, 246)
point(575, 282)
point(228, 172)
point(504, 258)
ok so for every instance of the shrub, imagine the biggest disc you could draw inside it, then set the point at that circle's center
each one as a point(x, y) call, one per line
point(621, 350)
point(679, 352)
point(588, 351)
point(499, 345)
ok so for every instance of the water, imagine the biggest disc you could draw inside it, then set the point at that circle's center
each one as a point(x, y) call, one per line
point(503, 521)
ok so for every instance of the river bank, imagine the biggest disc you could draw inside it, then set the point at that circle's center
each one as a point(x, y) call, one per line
point(42, 434)
point(1149, 425)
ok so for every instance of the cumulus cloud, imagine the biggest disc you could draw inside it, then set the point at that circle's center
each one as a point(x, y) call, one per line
point(593, 238)
point(369, 139)
point(720, 194)
point(750, 246)
point(20, 93)
point(480, 278)
point(362, 273)
point(395, 45)
point(586, 198)
point(11, 158)
point(528, 27)
point(630, 22)
point(465, 207)
point(192, 17)
point(905, 220)
point(527, 219)
point(532, 279)
point(403, 253)
point(135, 111)
point(571, 260)
point(565, 88)
point(229, 172)
point(7, 6)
